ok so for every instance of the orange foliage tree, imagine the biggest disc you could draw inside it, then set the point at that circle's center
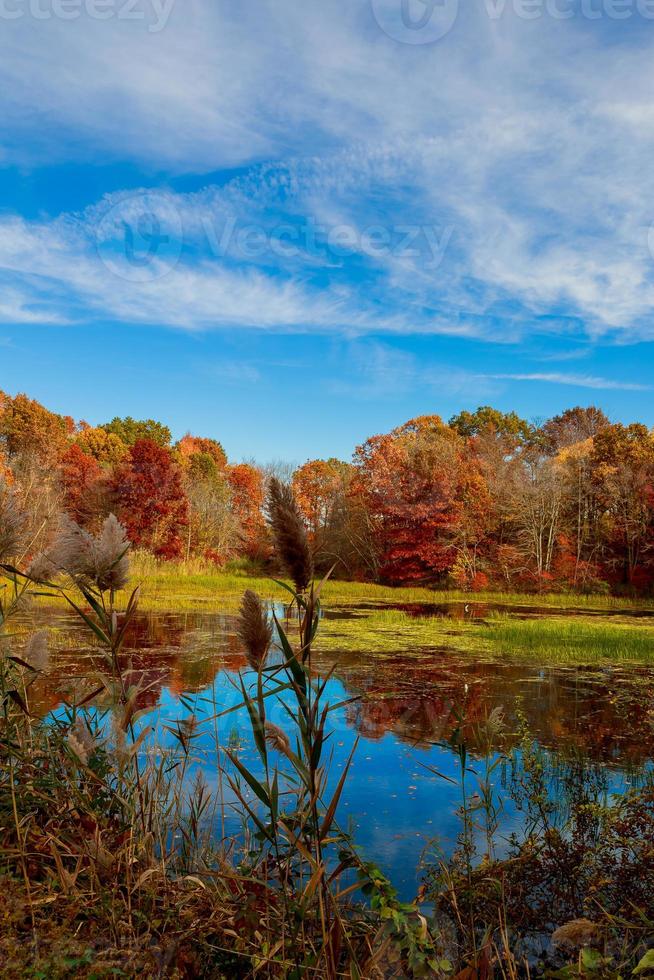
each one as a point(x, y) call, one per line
point(623, 469)
point(317, 486)
point(190, 446)
point(248, 493)
point(27, 428)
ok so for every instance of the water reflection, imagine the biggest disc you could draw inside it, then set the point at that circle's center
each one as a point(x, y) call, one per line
point(601, 709)
point(399, 705)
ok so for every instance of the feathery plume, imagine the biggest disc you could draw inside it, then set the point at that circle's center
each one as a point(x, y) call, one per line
point(118, 739)
point(41, 568)
point(254, 630)
point(112, 561)
point(77, 747)
point(100, 561)
point(36, 651)
point(84, 736)
point(578, 932)
point(290, 534)
point(12, 523)
point(277, 738)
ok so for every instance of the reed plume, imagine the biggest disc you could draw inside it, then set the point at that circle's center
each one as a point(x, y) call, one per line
point(100, 561)
point(41, 568)
point(290, 534)
point(112, 556)
point(578, 932)
point(77, 748)
point(494, 726)
point(254, 630)
point(277, 738)
point(81, 740)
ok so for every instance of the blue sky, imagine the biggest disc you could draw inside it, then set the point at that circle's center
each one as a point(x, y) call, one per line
point(291, 226)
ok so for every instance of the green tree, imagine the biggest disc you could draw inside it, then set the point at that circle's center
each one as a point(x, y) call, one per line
point(486, 419)
point(131, 431)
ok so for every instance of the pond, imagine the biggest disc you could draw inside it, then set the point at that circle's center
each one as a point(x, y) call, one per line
point(399, 801)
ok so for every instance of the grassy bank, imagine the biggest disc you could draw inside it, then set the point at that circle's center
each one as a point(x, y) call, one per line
point(194, 585)
point(366, 618)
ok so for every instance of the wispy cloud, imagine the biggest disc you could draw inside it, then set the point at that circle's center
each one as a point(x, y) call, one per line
point(369, 369)
point(575, 381)
point(372, 367)
point(233, 372)
point(503, 146)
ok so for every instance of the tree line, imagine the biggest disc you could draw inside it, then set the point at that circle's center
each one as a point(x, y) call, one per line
point(486, 500)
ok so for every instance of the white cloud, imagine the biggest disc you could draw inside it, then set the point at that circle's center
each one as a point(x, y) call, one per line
point(373, 368)
point(575, 380)
point(17, 308)
point(511, 134)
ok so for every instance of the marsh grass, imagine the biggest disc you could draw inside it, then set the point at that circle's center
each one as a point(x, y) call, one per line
point(570, 639)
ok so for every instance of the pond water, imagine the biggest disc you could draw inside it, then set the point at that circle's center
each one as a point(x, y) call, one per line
point(399, 706)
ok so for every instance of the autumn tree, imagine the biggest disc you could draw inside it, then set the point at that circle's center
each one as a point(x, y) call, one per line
point(80, 477)
point(213, 529)
point(490, 420)
point(623, 471)
point(150, 498)
point(32, 439)
point(29, 429)
point(575, 425)
point(106, 448)
point(581, 540)
point(409, 481)
point(190, 446)
point(536, 503)
point(475, 522)
point(247, 495)
point(317, 486)
point(130, 431)
point(336, 517)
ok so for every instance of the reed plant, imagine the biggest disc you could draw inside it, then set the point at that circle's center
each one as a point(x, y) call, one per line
point(103, 829)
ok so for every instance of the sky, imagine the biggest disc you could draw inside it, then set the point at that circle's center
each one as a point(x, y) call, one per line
point(291, 226)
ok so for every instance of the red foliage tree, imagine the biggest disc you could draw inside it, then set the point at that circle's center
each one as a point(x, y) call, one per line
point(79, 476)
point(150, 499)
point(409, 481)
